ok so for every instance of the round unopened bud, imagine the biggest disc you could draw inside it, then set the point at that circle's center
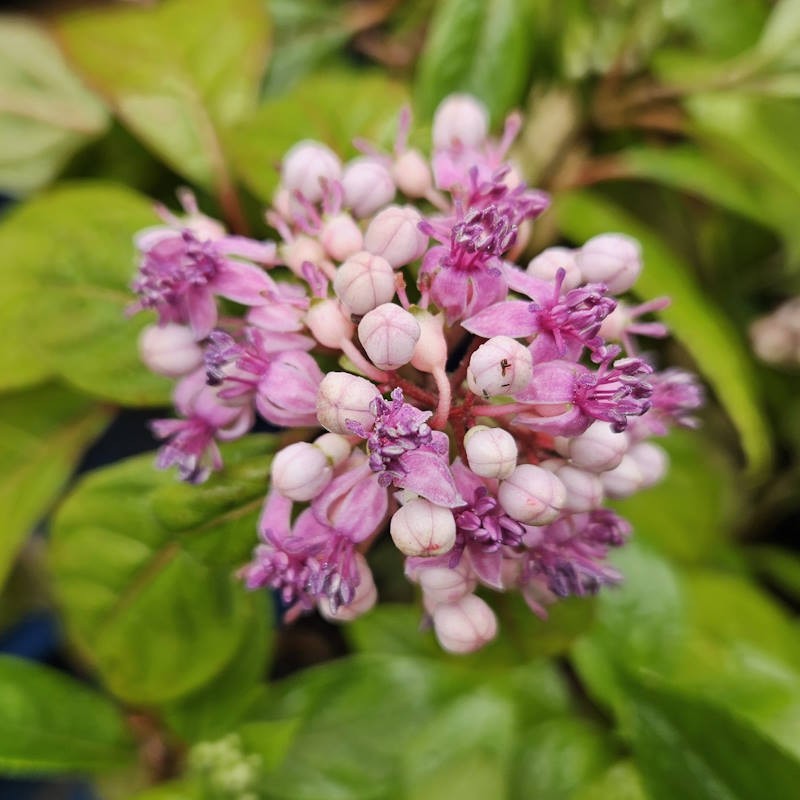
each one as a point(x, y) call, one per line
point(624, 480)
point(301, 249)
point(499, 366)
point(363, 282)
point(460, 119)
point(611, 258)
point(365, 597)
point(584, 489)
point(444, 585)
point(464, 626)
point(169, 349)
point(300, 471)
point(431, 350)
point(394, 234)
point(532, 495)
point(420, 528)
point(336, 447)
point(773, 341)
point(367, 186)
point(327, 322)
point(644, 465)
point(343, 397)
point(597, 449)
point(341, 236)
point(412, 174)
point(389, 335)
point(491, 452)
point(550, 261)
point(306, 166)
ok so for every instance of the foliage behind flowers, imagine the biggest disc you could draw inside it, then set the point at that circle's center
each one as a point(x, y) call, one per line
point(477, 395)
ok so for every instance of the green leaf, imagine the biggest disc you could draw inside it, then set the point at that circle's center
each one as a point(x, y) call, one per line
point(622, 782)
point(711, 339)
point(781, 567)
point(392, 628)
point(782, 32)
point(43, 432)
point(177, 74)
point(50, 723)
point(334, 108)
point(154, 605)
point(46, 114)
point(687, 747)
point(476, 47)
point(68, 263)
point(174, 790)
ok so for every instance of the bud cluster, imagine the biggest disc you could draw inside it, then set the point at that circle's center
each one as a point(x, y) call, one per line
point(481, 411)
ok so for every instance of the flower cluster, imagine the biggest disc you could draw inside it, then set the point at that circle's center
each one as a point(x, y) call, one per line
point(481, 411)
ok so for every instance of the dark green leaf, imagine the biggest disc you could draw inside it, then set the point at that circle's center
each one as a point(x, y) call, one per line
point(780, 567)
point(176, 74)
point(392, 628)
point(68, 262)
point(50, 723)
point(715, 344)
point(174, 790)
point(622, 782)
point(156, 607)
point(43, 432)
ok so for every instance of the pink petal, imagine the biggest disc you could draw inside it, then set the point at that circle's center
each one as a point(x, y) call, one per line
point(242, 283)
point(428, 475)
point(201, 308)
point(511, 318)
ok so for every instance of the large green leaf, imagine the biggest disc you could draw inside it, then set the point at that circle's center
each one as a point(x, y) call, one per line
point(687, 747)
point(50, 723)
point(176, 74)
point(67, 266)
point(333, 107)
point(45, 112)
point(148, 592)
point(711, 339)
point(43, 432)
point(476, 47)
point(622, 782)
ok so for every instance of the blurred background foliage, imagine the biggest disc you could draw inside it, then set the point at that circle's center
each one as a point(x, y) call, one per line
point(674, 121)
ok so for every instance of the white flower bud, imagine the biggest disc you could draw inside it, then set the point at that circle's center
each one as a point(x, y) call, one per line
point(169, 349)
point(624, 480)
point(597, 449)
point(394, 234)
point(301, 249)
point(306, 165)
point(444, 585)
point(491, 452)
point(412, 174)
point(327, 322)
point(532, 495)
point(584, 489)
point(611, 258)
point(421, 528)
point(460, 119)
point(364, 282)
point(652, 460)
point(773, 341)
point(499, 366)
point(335, 446)
point(300, 471)
point(341, 237)
point(464, 626)
point(365, 598)
point(343, 396)
point(548, 262)
point(431, 350)
point(389, 335)
point(367, 186)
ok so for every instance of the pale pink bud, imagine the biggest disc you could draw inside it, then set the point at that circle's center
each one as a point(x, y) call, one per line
point(282, 202)
point(367, 186)
point(365, 597)
point(624, 480)
point(300, 471)
point(548, 262)
point(444, 585)
point(464, 626)
point(341, 237)
point(532, 495)
point(421, 528)
point(611, 258)
point(301, 249)
point(499, 366)
point(412, 174)
point(169, 350)
point(431, 350)
point(616, 323)
point(395, 235)
point(327, 322)
point(389, 335)
point(336, 447)
point(364, 282)
point(343, 397)
point(491, 452)
point(524, 232)
point(773, 341)
point(460, 119)
point(584, 489)
point(652, 460)
point(597, 449)
point(306, 166)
